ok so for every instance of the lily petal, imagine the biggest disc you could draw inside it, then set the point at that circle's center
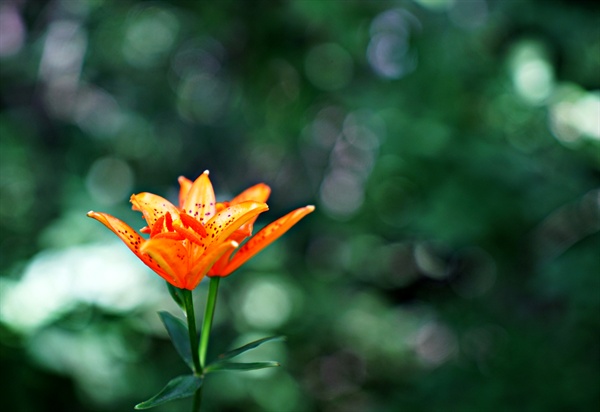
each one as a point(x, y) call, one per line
point(227, 221)
point(131, 238)
point(170, 256)
point(257, 193)
point(152, 206)
point(265, 237)
point(200, 202)
point(184, 188)
point(206, 261)
point(238, 236)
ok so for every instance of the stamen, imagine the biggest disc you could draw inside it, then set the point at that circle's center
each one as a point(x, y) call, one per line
point(193, 224)
point(169, 235)
point(189, 234)
point(157, 226)
point(169, 222)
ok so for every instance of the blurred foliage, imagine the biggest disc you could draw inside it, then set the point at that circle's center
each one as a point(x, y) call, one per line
point(452, 149)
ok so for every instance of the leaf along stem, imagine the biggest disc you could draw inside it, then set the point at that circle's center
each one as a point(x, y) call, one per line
point(208, 318)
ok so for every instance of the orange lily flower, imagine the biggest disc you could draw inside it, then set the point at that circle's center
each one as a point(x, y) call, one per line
point(259, 193)
point(184, 241)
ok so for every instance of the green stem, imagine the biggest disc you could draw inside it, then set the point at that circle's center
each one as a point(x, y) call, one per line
point(188, 302)
point(213, 289)
point(197, 400)
point(209, 313)
point(191, 318)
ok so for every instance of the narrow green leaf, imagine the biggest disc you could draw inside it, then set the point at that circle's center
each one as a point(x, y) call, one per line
point(239, 366)
point(176, 295)
point(177, 388)
point(238, 351)
point(178, 332)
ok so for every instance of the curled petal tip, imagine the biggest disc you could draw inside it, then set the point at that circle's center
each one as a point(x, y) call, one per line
point(90, 213)
point(206, 172)
point(310, 207)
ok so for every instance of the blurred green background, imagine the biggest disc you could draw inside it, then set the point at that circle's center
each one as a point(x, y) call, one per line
point(452, 149)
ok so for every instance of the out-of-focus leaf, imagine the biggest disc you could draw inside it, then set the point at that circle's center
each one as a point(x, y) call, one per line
point(176, 295)
point(177, 388)
point(240, 366)
point(238, 351)
point(178, 332)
